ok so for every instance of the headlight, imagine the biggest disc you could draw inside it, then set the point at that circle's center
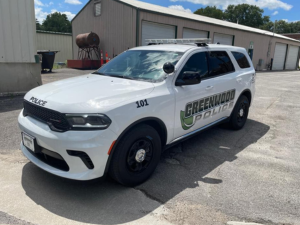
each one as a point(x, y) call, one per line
point(88, 121)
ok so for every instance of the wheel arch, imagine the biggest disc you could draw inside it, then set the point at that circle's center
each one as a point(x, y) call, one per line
point(154, 122)
point(248, 94)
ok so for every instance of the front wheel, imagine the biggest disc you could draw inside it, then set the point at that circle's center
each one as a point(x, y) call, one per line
point(240, 113)
point(136, 156)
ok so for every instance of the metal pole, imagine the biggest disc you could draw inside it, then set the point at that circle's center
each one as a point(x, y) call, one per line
point(274, 28)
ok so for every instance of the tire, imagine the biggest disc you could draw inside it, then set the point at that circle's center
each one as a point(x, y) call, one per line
point(128, 166)
point(238, 118)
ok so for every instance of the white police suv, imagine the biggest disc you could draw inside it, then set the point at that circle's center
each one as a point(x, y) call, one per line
point(120, 118)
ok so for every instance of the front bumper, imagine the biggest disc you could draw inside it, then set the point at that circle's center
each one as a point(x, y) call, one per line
point(94, 143)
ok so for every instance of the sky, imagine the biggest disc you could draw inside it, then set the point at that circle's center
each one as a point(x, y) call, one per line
point(288, 10)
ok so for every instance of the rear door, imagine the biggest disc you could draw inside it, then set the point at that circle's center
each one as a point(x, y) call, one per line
point(222, 81)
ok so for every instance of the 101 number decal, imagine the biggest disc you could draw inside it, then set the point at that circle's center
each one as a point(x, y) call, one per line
point(142, 103)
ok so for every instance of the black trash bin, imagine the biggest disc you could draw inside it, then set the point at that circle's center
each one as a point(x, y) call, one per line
point(48, 57)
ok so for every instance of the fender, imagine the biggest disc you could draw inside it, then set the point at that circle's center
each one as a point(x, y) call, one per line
point(149, 119)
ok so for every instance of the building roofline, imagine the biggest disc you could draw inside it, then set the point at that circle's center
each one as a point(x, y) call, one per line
point(291, 34)
point(52, 32)
point(81, 10)
point(146, 8)
point(185, 16)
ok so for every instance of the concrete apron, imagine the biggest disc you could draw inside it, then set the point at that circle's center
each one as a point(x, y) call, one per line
point(16, 203)
point(19, 77)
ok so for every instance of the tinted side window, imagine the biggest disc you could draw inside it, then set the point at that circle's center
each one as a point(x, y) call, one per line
point(241, 59)
point(196, 63)
point(219, 63)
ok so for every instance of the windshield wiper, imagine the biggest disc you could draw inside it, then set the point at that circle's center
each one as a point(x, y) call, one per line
point(124, 77)
point(108, 75)
point(96, 72)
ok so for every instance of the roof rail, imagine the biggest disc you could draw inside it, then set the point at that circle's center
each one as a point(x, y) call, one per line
point(198, 41)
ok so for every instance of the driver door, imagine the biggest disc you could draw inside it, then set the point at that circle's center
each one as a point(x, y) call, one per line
point(189, 109)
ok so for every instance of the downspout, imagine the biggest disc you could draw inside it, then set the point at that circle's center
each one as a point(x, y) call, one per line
point(137, 27)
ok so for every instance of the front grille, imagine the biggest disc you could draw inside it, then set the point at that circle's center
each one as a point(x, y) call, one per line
point(55, 120)
point(51, 158)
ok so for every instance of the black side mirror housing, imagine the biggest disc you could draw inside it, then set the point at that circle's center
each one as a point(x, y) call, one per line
point(168, 68)
point(189, 78)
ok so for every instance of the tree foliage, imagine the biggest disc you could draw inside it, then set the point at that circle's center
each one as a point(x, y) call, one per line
point(211, 11)
point(282, 27)
point(248, 15)
point(56, 22)
point(38, 25)
point(251, 16)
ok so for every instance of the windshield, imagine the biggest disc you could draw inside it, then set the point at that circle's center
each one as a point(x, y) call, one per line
point(140, 65)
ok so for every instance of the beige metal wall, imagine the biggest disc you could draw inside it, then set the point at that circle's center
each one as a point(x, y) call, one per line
point(17, 31)
point(59, 42)
point(242, 38)
point(115, 26)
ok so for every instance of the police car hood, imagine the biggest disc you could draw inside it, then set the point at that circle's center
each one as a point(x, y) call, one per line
point(87, 94)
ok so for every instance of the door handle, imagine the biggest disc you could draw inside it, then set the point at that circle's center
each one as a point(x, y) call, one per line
point(209, 87)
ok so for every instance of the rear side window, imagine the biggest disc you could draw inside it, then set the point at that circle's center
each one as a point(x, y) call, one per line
point(241, 60)
point(219, 63)
point(197, 63)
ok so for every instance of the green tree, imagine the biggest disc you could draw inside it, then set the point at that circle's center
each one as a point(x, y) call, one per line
point(57, 22)
point(282, 27)
point(295, 27)
point(210, 11)
point(245, 14)
point(269, 26)
point(38, 25)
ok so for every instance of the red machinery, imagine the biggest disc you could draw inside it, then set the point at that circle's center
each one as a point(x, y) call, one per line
point(88, 52)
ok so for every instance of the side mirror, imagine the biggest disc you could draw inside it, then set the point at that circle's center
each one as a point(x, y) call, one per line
point(168, 68)
point(189, 78)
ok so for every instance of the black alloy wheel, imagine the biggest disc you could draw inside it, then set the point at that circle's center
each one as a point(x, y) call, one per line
point(140, 155)
point(136, 156)
point(239, 114)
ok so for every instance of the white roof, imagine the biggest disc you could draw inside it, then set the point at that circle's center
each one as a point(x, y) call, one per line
point(191, 16)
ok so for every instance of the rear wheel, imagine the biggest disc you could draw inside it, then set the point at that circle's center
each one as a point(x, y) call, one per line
point(136, 156)
point(240, 113)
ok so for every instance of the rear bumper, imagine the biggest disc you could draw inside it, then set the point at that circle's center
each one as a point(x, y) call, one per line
point(94, 143)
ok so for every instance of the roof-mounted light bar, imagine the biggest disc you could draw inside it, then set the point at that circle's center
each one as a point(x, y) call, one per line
point(178, 41)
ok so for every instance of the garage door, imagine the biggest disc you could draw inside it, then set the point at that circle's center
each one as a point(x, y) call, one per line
point(279, 56)
point(190, 33)
point(292, 56)
point(223, 39)
point(157, 31)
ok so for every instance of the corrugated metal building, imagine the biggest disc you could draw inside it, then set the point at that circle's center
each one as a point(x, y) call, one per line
point(294, 36)
point(62, 42)
point(123, 24)
point(19, 71)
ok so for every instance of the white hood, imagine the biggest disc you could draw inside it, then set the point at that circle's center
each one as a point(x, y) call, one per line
point(88, 93)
